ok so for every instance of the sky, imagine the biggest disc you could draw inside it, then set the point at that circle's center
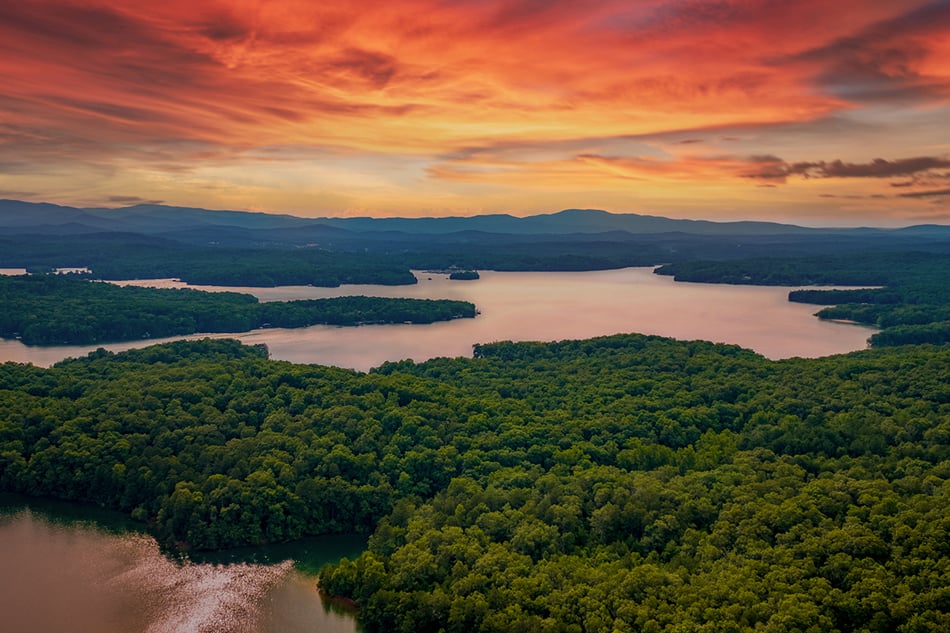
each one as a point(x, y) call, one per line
point(814, 112)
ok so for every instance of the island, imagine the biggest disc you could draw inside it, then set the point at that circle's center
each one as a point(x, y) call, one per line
point(464, 275)
point(67, 310)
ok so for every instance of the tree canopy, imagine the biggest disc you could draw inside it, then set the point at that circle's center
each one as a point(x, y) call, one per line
point(59, 309)
point(911, 304)
point(622, 483)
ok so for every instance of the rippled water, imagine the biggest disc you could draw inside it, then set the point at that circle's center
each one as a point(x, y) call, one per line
point(77, 578)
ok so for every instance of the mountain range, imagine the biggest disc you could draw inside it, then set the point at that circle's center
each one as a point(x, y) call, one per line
point(241, 228)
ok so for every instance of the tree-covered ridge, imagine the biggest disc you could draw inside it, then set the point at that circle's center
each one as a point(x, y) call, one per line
point(57, 309)
point(621, 483)
point(911, 307)
point(675, 487)
point(130, 256)
point(321, 255)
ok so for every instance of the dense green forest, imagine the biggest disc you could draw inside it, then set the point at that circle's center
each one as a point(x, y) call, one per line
point(129, 256)
point(331, 257)
point(911, 306)
point(615, 484)
point(59, 309)
point(464, 275)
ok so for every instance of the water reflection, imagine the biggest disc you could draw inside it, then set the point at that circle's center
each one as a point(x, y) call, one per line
point(69, 576)
point(536, 306)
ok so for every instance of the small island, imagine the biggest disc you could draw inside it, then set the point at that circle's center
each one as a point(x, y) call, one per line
point(64, 310)
point(464, 275)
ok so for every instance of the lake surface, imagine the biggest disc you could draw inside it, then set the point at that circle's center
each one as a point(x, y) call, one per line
point(61, 574)
point(531, 307)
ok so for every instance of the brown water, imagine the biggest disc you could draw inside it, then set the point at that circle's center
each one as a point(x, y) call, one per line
point(76, 578)
point(535, 306)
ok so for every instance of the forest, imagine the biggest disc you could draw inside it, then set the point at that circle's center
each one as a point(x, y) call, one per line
point(64, 309)
point(910, 300)
point(225, 256)
point(615, 484)
point(120, 256)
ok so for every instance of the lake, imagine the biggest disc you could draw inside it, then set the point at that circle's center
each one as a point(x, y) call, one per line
point(63, 575)
point(59, 573)
point(522, 306)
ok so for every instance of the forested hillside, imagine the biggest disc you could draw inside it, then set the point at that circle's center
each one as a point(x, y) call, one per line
point(119, 256)
point(622, 483)
point(252, 249)
point(911, 306)
point(58, 310)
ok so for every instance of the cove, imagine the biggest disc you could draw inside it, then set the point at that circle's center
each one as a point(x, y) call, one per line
point(73, 568)
point(526, 306)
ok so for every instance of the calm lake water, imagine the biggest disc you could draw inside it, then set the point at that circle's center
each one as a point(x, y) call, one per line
point(62, 574)
point(537, 307)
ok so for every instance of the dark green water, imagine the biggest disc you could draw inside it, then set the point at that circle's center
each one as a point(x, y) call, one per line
point(71, 568)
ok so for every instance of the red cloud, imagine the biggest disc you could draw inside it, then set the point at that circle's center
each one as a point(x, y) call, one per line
point(174, 86)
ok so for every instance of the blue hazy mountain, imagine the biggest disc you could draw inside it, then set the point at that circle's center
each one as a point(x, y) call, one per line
point(241, 228)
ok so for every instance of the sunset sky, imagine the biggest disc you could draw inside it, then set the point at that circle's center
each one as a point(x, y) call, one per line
point(816, 112)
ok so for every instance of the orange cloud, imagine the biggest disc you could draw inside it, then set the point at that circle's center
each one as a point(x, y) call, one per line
point(517, 94)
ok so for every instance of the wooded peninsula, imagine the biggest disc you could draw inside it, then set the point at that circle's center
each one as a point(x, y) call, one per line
point(63, 310)
point(910, 303)
point(621, 483)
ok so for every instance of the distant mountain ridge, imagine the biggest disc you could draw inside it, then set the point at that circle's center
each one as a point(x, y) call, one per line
point(204, 225)
point(564, 222)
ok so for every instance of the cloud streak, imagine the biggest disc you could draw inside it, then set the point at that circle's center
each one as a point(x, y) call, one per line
point(894, 59)
point(777, 169)
point(482, 99)
point(926, 194)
